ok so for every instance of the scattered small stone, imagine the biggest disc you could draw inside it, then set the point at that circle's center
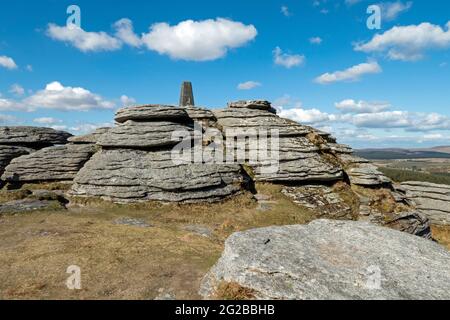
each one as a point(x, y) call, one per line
point(132, 222)
point(202, 230)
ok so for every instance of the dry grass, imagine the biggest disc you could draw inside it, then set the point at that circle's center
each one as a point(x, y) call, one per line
point(233, 291)
point(126, 262)
point(442, 235)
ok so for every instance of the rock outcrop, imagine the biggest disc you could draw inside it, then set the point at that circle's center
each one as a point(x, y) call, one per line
point(136, 161)
point(430, 198)
point(57, 163)
point(331, 260)
point(361, 171)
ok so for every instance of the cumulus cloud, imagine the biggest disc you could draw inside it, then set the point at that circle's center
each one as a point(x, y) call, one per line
point(391, 10)
point(83, 40)
point(85, 128)
point(248, 85)
point(56, 96)
point(351, 74)
point(47, 121)
point(287, 60)
point(198, 40)
point(5, 119)
point(125, 32)
point(352, 106)
point(7, 62)
point(17, 89)
point(408, 43)
point(294, 110)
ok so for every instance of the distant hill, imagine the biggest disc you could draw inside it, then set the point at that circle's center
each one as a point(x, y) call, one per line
point(392, 153)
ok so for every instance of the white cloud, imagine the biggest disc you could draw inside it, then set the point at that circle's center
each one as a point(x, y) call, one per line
point(198, 40)
point(285, 11)
point(59, 127)
point(408, 43)
point(352, 106)
point(125, 32)
point(7, 62)
point(47, 121)
point(248, 85)
point(11, 105)
point(391, 10)
point(85, 128)
point(83, 40)
point(287, 60)
point(5, 119)
point(351, 74)
point(127, 101)
point(29, 68)
point(294, 110)
point(17, 89)
point(315, 40)
point(56, 96)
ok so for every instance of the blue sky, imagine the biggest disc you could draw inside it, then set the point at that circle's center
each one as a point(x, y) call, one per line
point(316, 60)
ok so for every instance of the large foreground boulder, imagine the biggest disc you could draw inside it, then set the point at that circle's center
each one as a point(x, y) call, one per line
point(331, 260)
point(430, 198)
point(57, 163)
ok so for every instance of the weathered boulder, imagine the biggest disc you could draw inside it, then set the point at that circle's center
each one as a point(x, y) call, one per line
point(331, 260)
point(90, 138)
point(34, 137)
point(144, 135)
point(362, 172)
point(7, 153)
point(126, 175)
point(151, 113)
point(430, 198)
point(49, 164)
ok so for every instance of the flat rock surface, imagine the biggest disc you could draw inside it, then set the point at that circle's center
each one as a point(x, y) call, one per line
point(32, 136)
point(151, 113)
point(133, 134)
point(332, 260)
point(131, 175)
point(432, 199)
point(49, 164)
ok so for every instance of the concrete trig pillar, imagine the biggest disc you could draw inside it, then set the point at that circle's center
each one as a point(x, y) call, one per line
point(186, 95)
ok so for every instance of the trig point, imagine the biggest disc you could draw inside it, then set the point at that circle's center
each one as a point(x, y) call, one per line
point(186, 95)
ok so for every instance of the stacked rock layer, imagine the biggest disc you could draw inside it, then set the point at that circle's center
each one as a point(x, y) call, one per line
point(136, 161)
